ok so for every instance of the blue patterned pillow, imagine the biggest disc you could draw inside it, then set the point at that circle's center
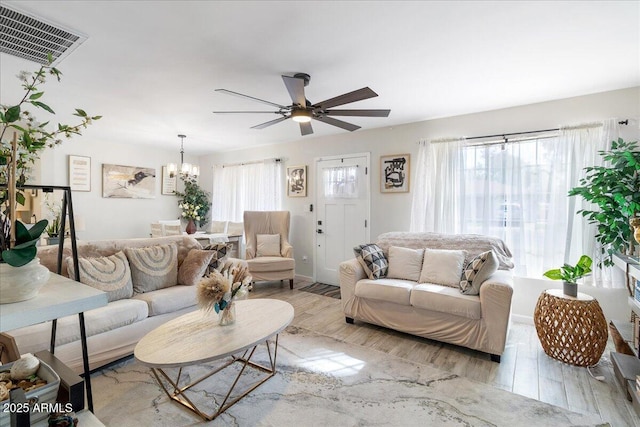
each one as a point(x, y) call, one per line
point(372, 260)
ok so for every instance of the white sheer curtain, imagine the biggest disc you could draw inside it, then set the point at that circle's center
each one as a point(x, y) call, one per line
point(436, 205)
point(581, 146)
point(253, 186)
point(516, 191)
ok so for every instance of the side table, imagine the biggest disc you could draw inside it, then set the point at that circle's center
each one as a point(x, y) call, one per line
point(571, 329)
point(59, 297)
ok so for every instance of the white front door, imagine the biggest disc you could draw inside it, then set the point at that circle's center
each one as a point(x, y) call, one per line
point(342, 214)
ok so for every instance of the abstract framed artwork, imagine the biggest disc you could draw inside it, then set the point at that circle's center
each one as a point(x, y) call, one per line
point(297, 181)
point(394, 173)
point(129, 182)
point(80, 173)
point(169, 183)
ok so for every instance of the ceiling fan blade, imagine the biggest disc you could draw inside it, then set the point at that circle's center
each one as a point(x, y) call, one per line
point(250, 112)
point(339, 123)
point(295, 86)
point(306, 129)
point(361, 113)
point(356, 95)
point(269, 123)
point(230, 92)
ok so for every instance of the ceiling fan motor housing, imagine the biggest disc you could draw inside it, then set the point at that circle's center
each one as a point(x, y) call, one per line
point(304, 76)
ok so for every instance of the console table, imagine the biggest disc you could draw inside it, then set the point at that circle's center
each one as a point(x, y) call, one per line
point(59, 297)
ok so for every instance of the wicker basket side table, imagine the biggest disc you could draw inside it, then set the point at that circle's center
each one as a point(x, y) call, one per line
point(571, 329)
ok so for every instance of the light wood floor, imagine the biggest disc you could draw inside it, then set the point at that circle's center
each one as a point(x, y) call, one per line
point(525, 369)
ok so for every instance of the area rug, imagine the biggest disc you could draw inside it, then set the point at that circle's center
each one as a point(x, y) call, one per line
point(323, 289)
point(325, 382)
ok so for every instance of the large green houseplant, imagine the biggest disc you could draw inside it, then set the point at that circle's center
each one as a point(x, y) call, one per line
point(22, 140)
point(614, 190)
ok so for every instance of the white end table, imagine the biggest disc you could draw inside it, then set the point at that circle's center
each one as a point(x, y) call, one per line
point(59, 297)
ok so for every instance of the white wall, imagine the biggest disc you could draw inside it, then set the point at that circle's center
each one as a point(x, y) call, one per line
point(124, 218)
point(391, 212)
point(107, 218)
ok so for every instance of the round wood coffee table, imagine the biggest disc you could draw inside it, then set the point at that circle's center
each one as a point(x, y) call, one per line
point(571, 329)
point(196, 338)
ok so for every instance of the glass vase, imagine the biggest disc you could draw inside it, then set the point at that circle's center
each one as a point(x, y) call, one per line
point(228, 315)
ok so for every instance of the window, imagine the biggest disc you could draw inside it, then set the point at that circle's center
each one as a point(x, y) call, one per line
point(252, 187)
point(515, 191)
point(507, 191)
point(340, 182)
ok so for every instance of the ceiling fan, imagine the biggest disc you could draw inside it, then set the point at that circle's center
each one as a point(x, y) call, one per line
point(302, 111)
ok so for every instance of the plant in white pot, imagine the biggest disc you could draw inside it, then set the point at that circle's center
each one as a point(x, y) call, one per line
point(22, 140)
point(570, 275)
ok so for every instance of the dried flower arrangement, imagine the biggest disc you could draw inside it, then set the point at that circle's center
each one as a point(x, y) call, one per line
point(218, 290)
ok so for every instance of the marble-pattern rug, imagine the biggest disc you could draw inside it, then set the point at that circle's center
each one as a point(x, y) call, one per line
point(325, 382)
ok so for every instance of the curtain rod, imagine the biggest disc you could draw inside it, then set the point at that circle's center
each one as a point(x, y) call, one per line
point(504, 135)
point(276, 160)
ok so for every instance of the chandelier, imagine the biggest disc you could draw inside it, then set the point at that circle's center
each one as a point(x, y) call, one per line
point(187, 170)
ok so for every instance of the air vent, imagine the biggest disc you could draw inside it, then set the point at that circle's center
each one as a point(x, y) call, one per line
point(31, 38)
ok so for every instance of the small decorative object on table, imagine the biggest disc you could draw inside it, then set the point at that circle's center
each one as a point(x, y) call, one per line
point(219, 290)
point(62, 419)
point(570, 274)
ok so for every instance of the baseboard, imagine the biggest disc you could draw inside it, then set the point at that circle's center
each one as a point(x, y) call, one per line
point(304, 278)
point(519, 318)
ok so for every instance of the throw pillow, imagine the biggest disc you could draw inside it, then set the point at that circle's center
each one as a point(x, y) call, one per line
point(154, 267)
point(442, 267)
point(219, 251)
point(372, 260)
point(477, 271)
point(405, 263)
point(110, 274)
point(194, 266)
point(267, 245)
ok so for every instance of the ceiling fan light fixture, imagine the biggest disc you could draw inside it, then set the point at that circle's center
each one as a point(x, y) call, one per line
point(301, 116)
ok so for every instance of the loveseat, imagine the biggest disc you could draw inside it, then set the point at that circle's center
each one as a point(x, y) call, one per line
point(149, 300)
point(418, 289)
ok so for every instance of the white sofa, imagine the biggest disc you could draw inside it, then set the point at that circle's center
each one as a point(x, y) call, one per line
point(113, 330)
point(438, 312)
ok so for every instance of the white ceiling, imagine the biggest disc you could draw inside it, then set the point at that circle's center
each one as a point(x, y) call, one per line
point(151, 67)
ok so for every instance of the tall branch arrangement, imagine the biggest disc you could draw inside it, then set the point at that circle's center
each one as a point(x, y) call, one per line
point(22, 140)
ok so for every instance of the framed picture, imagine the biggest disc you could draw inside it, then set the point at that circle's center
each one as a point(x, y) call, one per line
point(168, 183)
point(129, 182)
point(297, 181)
point(394, 173)
point(80, 173)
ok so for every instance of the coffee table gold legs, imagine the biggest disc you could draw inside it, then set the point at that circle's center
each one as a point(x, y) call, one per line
point(177, 393)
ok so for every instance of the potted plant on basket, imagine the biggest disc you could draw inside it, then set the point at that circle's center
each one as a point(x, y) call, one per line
point(22, 139)
point(570, 275)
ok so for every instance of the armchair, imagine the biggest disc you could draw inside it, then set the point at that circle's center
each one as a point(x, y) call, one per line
point(268, 252)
